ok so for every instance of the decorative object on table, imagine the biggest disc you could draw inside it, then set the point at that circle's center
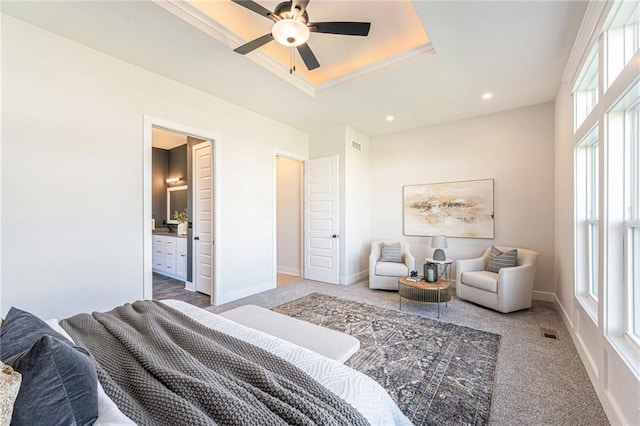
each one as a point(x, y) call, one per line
point(456, 209)
point(413, 276)
point(439, 242)
point(430, 272)
point(384, 274)
point(510, 289)
point(437, 373)
point(181, 218)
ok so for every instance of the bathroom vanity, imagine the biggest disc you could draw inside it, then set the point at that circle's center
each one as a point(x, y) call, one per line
point(170, 255)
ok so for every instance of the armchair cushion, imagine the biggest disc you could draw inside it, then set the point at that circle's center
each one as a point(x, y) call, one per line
point(391, 269)
point(500, 259)
point(391, 252)
point(484, 280)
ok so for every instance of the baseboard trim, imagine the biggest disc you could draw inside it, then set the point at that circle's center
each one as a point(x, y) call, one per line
point(259, 288)
point(189, 286)
point(545, 296)
point(354, 278)
point(289, 271)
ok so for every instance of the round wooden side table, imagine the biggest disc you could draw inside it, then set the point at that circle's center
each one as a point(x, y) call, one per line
point(422, 291)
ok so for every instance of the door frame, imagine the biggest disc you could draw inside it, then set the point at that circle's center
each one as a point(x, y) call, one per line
point(147, 244)
point(286, 154)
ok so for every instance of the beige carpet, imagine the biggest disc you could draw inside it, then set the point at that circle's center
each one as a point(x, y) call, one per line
point(538, 381)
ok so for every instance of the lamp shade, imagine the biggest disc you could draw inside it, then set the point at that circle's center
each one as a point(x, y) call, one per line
point(438, 241)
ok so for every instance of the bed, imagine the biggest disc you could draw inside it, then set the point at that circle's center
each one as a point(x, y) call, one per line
point(343, 394)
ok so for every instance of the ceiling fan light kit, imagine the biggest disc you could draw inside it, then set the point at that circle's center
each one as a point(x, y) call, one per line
point(290, 33)
point(292, 28)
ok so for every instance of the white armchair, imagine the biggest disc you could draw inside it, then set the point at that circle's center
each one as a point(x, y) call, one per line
point(384, 275)
point(509, 290)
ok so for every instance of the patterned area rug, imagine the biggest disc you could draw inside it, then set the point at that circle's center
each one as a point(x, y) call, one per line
point(437, 373)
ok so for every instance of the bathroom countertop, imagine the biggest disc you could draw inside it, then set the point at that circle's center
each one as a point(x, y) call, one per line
point(168, 234)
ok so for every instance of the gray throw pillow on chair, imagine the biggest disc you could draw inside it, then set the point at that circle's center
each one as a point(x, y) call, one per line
point(499, 260)
point(391, 253)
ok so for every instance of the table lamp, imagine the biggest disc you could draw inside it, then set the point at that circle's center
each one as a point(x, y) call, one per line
point(439, 242)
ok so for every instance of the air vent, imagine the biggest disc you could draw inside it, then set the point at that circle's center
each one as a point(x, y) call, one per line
point(549, 333)
point(356, 145)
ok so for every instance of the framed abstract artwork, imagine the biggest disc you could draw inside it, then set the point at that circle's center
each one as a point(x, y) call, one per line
point(455, 209)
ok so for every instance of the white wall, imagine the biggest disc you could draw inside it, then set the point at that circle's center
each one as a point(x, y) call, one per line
point(289, 215)
point(357, 210)
point(72, 175)
point(515, 148)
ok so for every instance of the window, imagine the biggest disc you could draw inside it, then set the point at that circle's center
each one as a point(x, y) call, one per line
point(632, 218)
point(585, 92)
point(623, 212)
point(622, 37)
point(587, 204)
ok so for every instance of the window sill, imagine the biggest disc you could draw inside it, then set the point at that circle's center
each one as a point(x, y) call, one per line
point(590, 306)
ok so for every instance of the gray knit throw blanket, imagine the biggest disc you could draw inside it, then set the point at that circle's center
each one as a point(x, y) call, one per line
point(163, 368)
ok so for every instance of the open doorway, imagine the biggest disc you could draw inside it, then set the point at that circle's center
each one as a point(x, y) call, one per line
point(172, 204)
point(289, 198)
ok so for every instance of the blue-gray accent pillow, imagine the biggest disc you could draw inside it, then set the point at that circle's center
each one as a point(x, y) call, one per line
point(25, 341)
point(59, 385)
point(20, 330)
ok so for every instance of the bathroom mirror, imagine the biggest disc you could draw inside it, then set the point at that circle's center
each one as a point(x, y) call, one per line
point(176, 200)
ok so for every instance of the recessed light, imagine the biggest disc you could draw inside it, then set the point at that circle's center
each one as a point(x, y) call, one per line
point(390, 117)
point(487, 95)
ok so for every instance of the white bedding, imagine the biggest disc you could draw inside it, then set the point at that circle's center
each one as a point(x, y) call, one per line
point(357, 389)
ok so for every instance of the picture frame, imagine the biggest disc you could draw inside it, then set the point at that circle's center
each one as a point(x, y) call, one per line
point(463, 209)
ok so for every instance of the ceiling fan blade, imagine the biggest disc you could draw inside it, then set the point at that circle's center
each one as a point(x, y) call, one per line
point(255, 7)
point(344, 28)
point(301, 5)
point(254, 44)
point(308, 57)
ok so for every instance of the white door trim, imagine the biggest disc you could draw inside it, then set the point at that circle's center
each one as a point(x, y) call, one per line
point(282, 153)
point(147, 252)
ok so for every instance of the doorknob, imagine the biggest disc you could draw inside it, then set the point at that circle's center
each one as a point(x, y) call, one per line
point(334, 236)
point(196, 238)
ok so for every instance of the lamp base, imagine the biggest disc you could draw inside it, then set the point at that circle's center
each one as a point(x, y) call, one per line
point(438, 254)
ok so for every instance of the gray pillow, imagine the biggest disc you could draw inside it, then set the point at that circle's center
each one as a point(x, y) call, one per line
point(499, 259)
point(20, 330)
point(54, 372)
point(59, 385)
point(391, 253)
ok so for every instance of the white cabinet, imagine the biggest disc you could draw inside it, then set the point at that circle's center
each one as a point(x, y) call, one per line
point(170, 256)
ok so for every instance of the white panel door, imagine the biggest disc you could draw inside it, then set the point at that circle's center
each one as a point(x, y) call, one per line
point(203, 217)
point(321, 220)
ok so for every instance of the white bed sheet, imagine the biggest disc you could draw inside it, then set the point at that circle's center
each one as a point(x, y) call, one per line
point(358, 389)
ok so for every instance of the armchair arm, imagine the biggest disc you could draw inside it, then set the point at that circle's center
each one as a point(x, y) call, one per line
point(515, 287)
point(409, 260)
point(465, 265)
point(374, 257)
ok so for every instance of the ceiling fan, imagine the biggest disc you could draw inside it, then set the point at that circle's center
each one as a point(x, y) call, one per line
point(292, 28)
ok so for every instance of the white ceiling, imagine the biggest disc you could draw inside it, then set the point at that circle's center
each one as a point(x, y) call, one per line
point(165, 139)
point(515, 49)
